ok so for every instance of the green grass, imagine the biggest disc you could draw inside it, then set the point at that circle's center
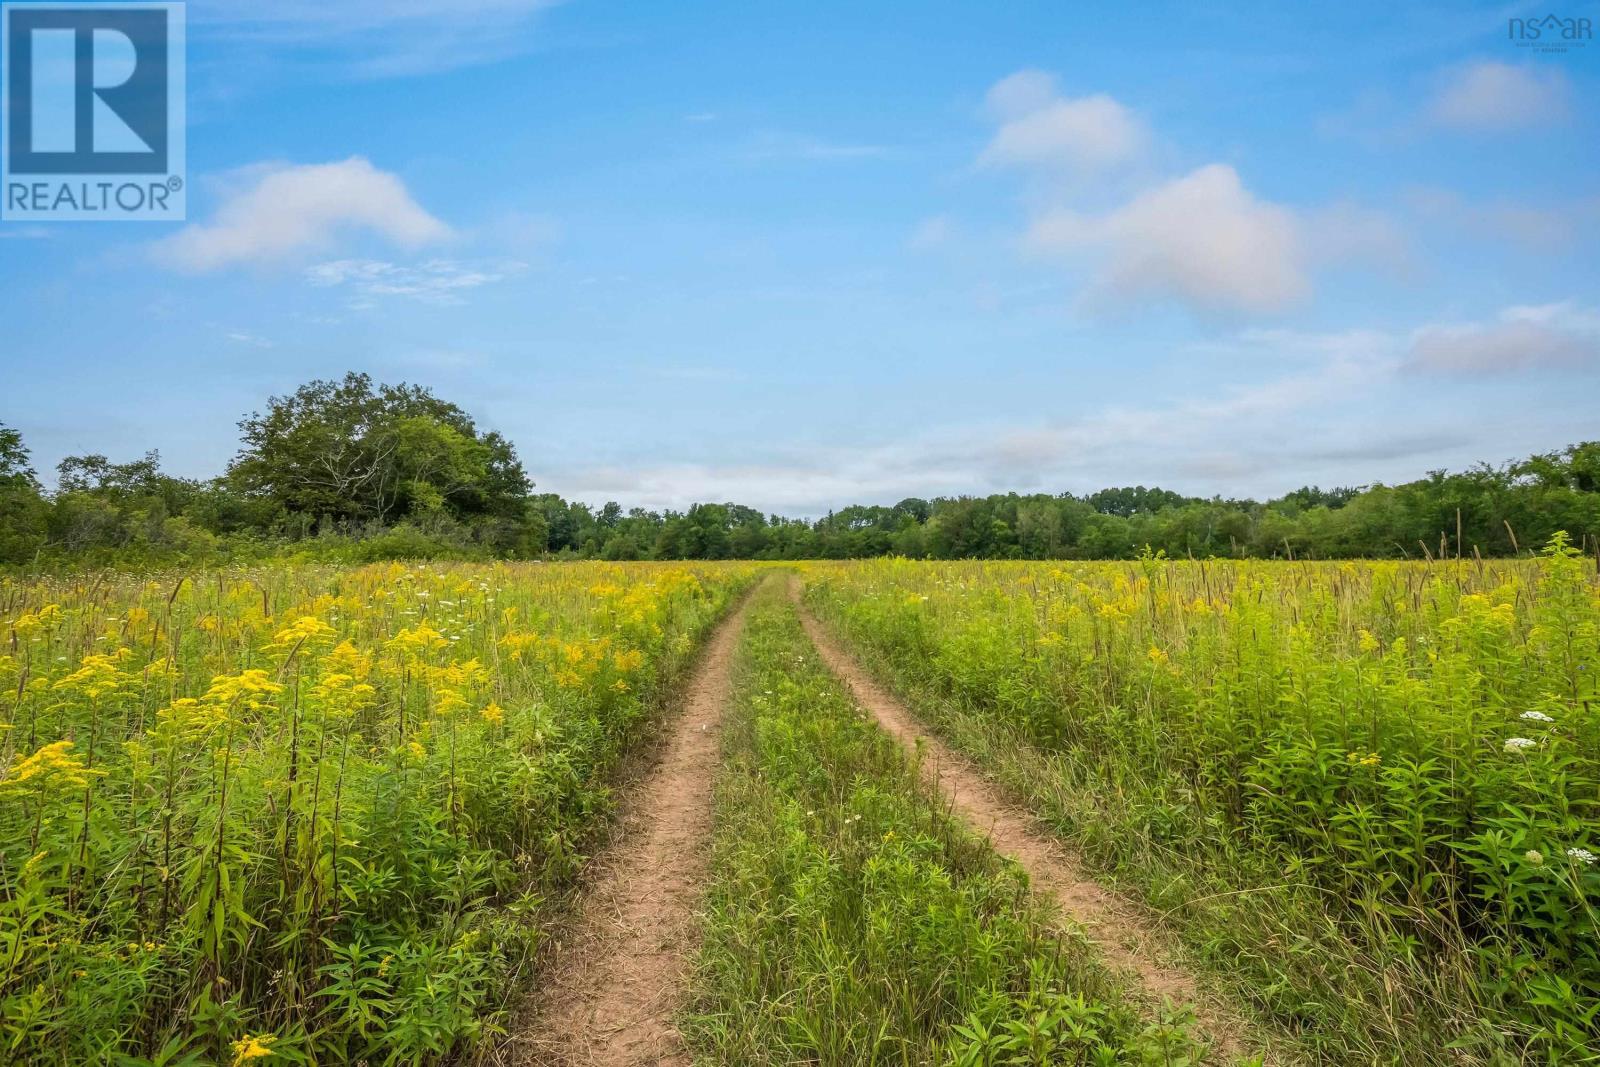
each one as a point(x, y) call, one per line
point(322, 813)
point(1362, 794)
point(852, 920)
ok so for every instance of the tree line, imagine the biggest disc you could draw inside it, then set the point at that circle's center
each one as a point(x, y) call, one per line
point(354, 470)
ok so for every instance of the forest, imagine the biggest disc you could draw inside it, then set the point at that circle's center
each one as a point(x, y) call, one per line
point(351, 470)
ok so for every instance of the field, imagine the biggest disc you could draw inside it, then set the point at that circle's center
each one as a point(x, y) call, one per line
point(1365, 793)
point(309, 811)
point(1154, 812)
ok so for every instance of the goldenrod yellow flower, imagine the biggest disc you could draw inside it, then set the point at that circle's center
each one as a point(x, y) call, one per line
point(252, 1048)
point(52, 764)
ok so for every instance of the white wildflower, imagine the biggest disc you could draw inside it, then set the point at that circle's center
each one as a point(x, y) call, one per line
point(1535, 716)
point(1519, 744)
point(1582, 855)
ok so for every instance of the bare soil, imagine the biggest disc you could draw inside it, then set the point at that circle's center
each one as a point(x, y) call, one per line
point(1118, 929)
point(613, 991)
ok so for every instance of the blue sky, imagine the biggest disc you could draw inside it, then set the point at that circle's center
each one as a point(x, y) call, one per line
point(806, 255)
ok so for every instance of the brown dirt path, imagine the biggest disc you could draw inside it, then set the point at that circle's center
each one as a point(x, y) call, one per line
point(1125, 939)
point(613, 991)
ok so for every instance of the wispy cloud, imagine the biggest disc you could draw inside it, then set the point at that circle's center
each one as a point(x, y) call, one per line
point(1193, 443)
point(1547, 226)
point(773, 145)
point(1521, 338)
point(434, 281)
point(377, 38)
point(277, 212)
point(242, 337)
point(1490, 96)
point(1324, 416)
point(1485, 96)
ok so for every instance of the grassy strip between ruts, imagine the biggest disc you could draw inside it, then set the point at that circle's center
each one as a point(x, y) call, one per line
point(853, 920)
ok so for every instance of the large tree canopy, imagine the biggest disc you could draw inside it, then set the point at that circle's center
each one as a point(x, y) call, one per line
point(350, 449)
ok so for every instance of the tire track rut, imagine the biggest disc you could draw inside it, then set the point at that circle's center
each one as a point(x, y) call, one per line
point(1123, 937)
point(611, 998)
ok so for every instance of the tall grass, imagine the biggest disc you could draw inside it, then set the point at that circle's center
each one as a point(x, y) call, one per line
point(852, 920)
point(308, 813)
point(1367, 793)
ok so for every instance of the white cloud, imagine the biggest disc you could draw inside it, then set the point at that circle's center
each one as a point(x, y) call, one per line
point(280, 212)
point(1192, 444)
point(1490, 95)
point(1522, 338)
point(800, 487)
point(1020, 94)
point(1564, 315)
point(781, 145)
point(1484, 96)
point(434, 281)
point(1039, 127)
point(240, 337)
point(1336, 409)
point(1202, 239)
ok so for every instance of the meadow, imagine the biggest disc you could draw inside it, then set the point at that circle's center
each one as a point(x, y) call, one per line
point(1364, 793)
point(313, 814)
point(308, 814)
